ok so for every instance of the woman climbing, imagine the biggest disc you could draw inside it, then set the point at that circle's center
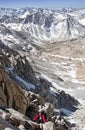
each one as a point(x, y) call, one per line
point(40, 117)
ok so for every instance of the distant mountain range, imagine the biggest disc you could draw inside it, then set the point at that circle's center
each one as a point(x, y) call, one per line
point(41, 25)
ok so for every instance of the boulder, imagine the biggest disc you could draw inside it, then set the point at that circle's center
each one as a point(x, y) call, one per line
point(5, 124)
point(18, 120)
point(21, 127)
point(49, 126)
point(66, 101)
point(6, 116)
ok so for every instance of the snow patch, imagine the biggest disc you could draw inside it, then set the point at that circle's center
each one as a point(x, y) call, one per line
point(53, 83)
point(26, 84)
point(46, 77)
point(53, 91)
point(72, 73)
point(10, 68)
point(66, 111)
point(81, 88)
point(72, 121)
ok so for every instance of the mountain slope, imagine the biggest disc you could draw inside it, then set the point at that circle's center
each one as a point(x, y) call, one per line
point(24, 92)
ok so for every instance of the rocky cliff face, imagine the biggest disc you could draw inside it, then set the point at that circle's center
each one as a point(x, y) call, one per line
point(11, 94)
point(24, 69)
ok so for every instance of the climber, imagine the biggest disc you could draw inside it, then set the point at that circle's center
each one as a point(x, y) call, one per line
point(40, 117)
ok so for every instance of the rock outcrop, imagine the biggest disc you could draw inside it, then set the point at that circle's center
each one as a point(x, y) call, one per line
point(15, 120)
point(4, 61)
point(24, 69)
point(11, 94)
point(66, 101)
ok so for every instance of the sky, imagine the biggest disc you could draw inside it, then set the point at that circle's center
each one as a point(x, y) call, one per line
point(42, 3)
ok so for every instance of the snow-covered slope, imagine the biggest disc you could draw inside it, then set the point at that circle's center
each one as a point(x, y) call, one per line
point(43, 25)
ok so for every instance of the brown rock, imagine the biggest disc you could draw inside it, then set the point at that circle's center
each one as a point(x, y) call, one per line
point(3, 100)
point(16, 121)
point(11, 94)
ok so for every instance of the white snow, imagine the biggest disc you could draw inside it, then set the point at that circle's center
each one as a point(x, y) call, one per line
point(46, 77)
point(24, 15)
point(53, 91)
point(57, 31)
point(72, 121)
point(14, 26)
point(26, 84)
point(31, 48)
point(57, 86)
point(81, 88)
point(82, 21)
point(64, 57)
point(72, 73)
point(53, 83)
point(66, 111)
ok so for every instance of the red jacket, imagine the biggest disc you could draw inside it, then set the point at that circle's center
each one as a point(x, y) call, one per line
point(39, 117)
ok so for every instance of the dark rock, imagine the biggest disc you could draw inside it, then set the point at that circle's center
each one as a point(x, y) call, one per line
point(67, 101)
